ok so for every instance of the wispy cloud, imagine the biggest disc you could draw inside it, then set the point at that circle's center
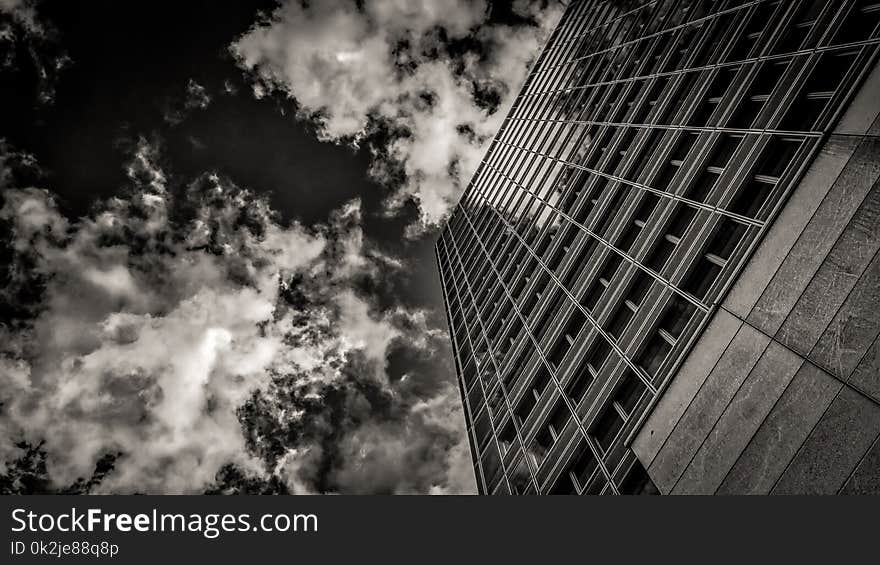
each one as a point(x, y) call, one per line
point(194, 97)
point(426, 84)
point(20, 24)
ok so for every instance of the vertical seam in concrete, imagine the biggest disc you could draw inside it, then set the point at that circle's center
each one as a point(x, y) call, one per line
point(858, 364)
point(726, 406)
point(691, 401)
point(764, 419)
point(806, 224)
point(845, 378)
point(801, 446)
point(824, 260)
point(858, 464)
point(703, 384)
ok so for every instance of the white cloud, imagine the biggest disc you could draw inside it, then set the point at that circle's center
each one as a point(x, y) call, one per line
point(163, 319)
point(353, 70)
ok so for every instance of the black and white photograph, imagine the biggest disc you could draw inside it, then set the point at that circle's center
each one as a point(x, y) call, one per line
point(439, 247)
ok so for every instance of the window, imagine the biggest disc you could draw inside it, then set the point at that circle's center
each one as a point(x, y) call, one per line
point(646, 206)
point(678, 224)
point(551, 310)
point(761, 17)
point(758, 94)
point(702, 186)
point(818, 91)
point(683, 146)
point(713, 96)
point(776, 156)
point(563, 485)
point(629, 392)
point(496, 401)
point(639, 288)
point(610, 211)
point(568, 236)
point(796, 30)
point(661, 253)
point(577, 387)
point(678, 313)
point(514, 330)
point(628, 237)
point(618, 410)
point(581, 468)
point(681, 220)
point(535, 296)
point(687, 83)
point(702, 276)
point(525, 406)
point(716, 164)
point(609, 268)
point(860, 24)
point(576, 321)
point(754, 195)
point(585, 466)
point(606, 428)
point(582, 214)
point(751, 197)
point(620, 319)
point(660, 86)
point(724, 150)
point(507, 437)
point(512, 370)
point(520, 478)
point(475, 397)
point(728, 234)
point(482, 428)
point(622, 145)
point(598, 354)
point(532, 394)
point(549, 433)
point(491, 462)
point(655, 353)
point(576, 267)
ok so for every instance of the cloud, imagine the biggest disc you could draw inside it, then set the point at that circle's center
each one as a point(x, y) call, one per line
point(183, 340)
point(387, 458)
point(22, 12)
point(21, 25)
point(195, 97)
point(426, 84)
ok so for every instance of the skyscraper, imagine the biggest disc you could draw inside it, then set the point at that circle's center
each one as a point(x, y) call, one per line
point(664, 276)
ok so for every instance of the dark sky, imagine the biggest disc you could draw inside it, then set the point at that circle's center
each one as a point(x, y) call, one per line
point(130, 63)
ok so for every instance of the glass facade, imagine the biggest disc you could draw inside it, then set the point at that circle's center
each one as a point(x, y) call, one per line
point(650, 147)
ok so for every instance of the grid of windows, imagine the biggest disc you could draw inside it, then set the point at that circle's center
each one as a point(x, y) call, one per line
point(651, 144)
